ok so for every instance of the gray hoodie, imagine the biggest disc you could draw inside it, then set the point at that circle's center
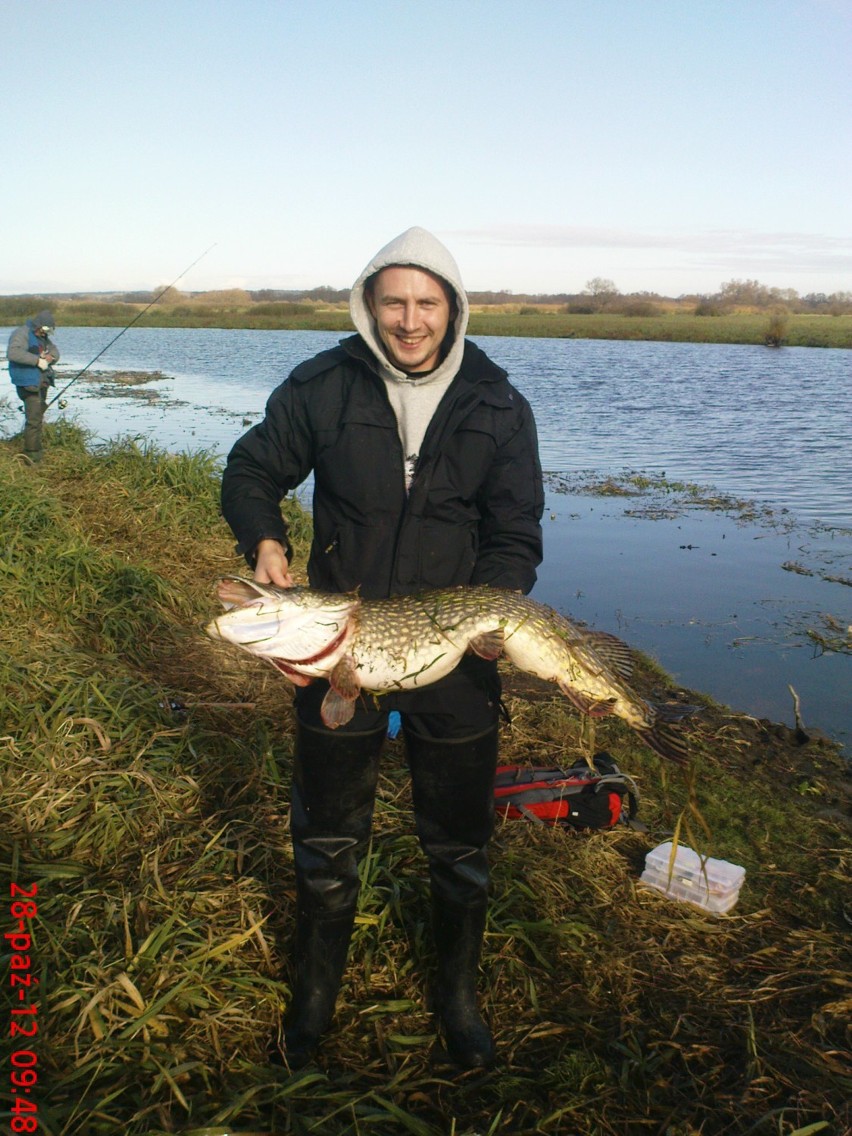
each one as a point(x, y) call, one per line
point(414, 398)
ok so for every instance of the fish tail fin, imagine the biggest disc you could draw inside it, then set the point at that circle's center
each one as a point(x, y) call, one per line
point(666, 736)
point(667, 740)
point(674, 711)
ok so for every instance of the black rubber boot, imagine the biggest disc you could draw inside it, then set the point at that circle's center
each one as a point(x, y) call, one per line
point(322, 946)
point(334, 787)
point(453, 789)
point(458, 935)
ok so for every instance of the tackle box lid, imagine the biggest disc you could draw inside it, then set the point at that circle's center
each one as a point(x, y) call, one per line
point(716, 877)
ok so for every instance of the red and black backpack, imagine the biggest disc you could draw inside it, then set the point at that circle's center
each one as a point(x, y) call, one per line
point(576, 797)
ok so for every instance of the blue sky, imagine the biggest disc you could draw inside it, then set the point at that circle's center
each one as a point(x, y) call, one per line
point(668, 145)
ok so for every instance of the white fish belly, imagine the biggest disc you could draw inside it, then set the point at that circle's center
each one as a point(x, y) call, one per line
point(381, 669)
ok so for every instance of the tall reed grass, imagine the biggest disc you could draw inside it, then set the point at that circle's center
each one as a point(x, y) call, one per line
point(144, 776)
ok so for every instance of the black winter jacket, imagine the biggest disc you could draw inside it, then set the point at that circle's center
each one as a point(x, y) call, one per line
point(473, 512)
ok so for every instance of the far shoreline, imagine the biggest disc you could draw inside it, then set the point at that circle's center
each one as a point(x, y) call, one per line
point(766, 328)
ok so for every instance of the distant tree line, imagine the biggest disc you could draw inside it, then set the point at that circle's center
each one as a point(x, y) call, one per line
point(753, 294)
point(600, 295)
point(324, 294)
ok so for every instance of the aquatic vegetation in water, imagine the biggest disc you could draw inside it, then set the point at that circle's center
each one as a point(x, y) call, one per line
point(801, 570)
point(832, 636)
point(667, 497)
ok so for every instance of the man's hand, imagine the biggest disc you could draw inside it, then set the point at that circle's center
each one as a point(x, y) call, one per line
point(272, 566)
point(43, 363)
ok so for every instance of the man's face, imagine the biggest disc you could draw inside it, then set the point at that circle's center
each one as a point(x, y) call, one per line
point(412, 314)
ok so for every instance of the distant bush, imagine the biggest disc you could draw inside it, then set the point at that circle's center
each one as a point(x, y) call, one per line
point(630, 307)
point(709, 306)
point(776, 332)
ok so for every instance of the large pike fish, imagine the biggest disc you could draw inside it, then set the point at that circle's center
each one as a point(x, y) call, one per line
point(406, 642)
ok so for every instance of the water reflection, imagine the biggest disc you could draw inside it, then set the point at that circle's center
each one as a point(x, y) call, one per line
point(708, 597)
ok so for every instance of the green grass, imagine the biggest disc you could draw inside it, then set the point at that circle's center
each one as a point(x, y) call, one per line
point(801, 330)
point(144, 774)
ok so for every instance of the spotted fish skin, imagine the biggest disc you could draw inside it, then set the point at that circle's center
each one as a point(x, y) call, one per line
point(407, 642)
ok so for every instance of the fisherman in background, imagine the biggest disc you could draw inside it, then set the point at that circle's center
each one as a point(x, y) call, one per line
point(31, 355)
point(426, 475)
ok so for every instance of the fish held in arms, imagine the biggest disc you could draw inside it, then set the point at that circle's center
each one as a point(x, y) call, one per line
point(407, 642)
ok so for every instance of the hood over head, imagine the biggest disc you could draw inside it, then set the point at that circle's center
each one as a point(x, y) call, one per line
point(44, 319)
point(414, 248)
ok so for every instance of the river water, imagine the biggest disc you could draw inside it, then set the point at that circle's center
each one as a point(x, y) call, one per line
point(738, 602)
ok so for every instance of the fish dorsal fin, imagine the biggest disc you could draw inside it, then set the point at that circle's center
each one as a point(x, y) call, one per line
point(489, 644)
point(613, 651)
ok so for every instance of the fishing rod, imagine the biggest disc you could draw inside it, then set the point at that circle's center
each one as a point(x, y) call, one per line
point(132, 322)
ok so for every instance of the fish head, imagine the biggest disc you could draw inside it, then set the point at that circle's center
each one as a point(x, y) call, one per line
point(294, 626)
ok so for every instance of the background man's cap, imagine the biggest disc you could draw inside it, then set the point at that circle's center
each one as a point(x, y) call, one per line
point(44, 319)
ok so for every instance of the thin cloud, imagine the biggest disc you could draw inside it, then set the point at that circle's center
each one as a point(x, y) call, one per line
point(732, 250)
point(563, 236)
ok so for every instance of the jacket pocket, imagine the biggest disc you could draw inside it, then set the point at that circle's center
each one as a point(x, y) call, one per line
point(448, 554)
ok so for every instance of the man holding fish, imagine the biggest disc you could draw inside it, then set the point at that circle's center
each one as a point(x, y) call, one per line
point(426, 475)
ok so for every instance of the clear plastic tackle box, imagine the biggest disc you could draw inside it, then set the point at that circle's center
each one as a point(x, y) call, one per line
point(713, 885)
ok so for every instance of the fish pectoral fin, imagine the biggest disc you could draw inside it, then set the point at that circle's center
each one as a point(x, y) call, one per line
point(336, 711)
point(338, 706)
point(293, 675)
point(594, 707)
point(488, 645)
point(344, 679)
